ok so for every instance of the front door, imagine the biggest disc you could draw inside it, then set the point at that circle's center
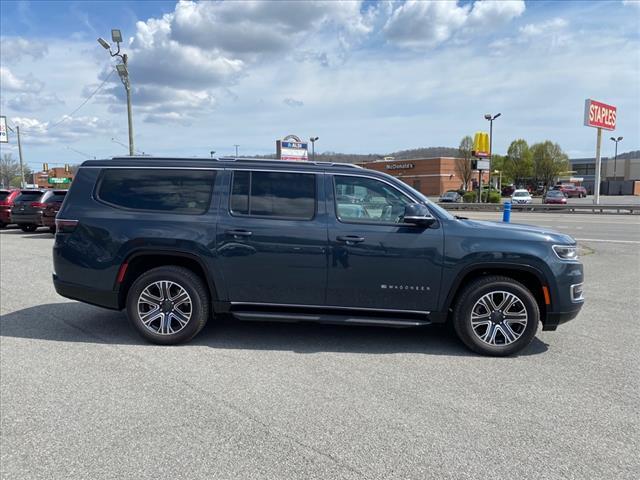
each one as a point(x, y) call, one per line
point(375, 260)
point(272, 238)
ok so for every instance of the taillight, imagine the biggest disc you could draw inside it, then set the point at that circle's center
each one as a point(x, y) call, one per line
point(64, 225)
point(38, 205)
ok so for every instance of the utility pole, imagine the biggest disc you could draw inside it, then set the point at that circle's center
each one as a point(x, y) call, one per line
point(490, 118)
point(236, 145)
point(22, 182)
point(123, 72)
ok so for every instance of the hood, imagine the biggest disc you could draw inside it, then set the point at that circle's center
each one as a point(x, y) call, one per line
point(519, 231)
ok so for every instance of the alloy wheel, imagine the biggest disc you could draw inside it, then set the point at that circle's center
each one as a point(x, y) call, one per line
point(499, 318)
point(164, 307)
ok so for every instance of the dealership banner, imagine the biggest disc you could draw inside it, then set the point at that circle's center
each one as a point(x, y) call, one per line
point(599, 115)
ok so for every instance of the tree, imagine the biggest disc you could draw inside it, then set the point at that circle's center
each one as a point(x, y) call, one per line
point(549, 161)
point(518, 164)
point(9, 170)
point(463, 162)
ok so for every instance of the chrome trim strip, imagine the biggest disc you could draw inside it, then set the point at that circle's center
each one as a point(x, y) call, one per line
point(330, 306)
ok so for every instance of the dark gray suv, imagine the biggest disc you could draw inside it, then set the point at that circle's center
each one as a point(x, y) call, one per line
point(176, 242)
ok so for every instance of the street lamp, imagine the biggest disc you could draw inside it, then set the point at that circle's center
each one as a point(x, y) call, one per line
point(615, 159)
point(237, 146)
point(313, 148)
point(490, 119)
point(123, 73)
point(212, 152)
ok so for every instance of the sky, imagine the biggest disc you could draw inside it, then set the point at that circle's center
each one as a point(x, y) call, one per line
point(365, 77)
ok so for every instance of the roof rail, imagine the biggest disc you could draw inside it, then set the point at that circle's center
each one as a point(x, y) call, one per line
point(236, 159)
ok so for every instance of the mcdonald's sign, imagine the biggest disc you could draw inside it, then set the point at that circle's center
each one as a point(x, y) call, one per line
point(481, 145)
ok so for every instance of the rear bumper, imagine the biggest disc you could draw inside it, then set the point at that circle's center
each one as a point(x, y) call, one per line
point(48, 221)
point(28, 218)
point(5, 216)
point(101, 298)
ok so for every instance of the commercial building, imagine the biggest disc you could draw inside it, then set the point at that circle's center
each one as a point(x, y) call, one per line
point(55, 177)
point(430, 176)
point(619, 176)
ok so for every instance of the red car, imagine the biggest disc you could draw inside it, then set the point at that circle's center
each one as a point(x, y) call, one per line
point(6, 202)
point(555, 196)
point(53, 204)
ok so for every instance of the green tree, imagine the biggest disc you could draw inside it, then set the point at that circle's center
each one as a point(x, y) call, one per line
point(549, 161)
point(9, 169)
point(463, 162)
point(518, 165)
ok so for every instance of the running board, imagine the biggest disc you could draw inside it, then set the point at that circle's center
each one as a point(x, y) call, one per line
point(327, 318)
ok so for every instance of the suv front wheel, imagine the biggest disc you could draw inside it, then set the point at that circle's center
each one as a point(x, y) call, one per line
point(168, 305)
point(496, 316)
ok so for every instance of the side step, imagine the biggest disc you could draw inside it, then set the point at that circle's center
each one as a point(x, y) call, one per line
point(327, 318)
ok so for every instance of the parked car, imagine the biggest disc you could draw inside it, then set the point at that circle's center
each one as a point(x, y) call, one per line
point(508, 190)
point(53, 204)
point(7, 198)
point(175, 242)
point(27, 209)
point(521, 196)
point(571, 191)
point(555, 197)
point(582, 192)
point(450, 196)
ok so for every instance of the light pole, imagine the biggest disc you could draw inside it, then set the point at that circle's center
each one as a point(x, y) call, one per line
point(490, 118)
point(615, 158)
point(236, 145)
point(212, 152)
point(313, 148)
point(116, 36)
point(500, 179)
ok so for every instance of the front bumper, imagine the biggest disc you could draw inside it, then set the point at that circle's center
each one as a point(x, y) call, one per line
point(553, 319)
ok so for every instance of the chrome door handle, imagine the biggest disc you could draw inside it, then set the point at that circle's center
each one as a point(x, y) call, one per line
point(350, 239)
point(238, 234)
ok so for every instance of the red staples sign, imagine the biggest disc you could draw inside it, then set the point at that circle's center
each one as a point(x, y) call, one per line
point(598, 114)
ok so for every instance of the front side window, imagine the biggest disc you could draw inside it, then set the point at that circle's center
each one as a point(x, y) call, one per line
point(368, 200)
point(167, 190)
point(273, 194)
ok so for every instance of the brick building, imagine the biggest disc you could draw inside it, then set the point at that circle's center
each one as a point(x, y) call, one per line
point(431, 176)
point(54, 178)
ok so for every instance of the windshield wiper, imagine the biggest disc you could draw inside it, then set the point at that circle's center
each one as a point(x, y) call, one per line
point(461, 218)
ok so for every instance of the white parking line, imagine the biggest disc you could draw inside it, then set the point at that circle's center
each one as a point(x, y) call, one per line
point(604, 240)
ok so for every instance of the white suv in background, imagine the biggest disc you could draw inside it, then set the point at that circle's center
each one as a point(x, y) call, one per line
point(521, 196)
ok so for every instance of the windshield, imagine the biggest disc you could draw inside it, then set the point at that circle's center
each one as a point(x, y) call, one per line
point(521, 194)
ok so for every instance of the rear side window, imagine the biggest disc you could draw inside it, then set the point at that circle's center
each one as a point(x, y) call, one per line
point(274, 194)
point(29, 197)
point(4, 196)
point(175, 191)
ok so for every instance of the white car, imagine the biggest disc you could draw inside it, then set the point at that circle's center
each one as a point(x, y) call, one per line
point(521, 197)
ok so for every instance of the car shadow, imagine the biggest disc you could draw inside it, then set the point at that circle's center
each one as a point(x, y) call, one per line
point(77, 322)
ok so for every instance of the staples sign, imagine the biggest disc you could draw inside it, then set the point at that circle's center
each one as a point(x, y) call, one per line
point(598, 114)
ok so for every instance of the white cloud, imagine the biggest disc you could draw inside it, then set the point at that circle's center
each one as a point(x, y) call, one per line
point(631, 3)
point(292, 102)
point(426, 24)
point(31, 102)
point(14, 83)
point(15, 49)
point(544, 28)
point(66, 128)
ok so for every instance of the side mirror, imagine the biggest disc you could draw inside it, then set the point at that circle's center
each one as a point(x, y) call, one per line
point(418, 214)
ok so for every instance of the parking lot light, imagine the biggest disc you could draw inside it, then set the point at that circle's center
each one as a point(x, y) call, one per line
point(104, 43)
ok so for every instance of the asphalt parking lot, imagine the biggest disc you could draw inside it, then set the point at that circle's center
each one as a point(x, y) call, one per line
point(82, 396)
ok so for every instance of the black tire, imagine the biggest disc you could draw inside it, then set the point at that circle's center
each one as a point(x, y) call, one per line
point(29, 227)
point(199, 303)
point(473, 293)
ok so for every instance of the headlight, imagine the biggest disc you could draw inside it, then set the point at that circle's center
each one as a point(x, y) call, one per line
point(566, 252)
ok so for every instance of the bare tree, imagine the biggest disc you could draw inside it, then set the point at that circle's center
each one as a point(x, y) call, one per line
point(9, 169)
point(463, 162)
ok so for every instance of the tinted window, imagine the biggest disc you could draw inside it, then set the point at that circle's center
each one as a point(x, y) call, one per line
point(4, 196)
point(176, 191)
point(56, 197)
point(274, 194)
point(369, 200)
point(29, 197)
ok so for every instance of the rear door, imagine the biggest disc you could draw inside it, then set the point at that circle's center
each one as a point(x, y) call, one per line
point(272, 237)
point(375, 260)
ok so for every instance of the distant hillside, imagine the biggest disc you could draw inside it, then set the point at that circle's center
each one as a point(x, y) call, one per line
point(371, 157)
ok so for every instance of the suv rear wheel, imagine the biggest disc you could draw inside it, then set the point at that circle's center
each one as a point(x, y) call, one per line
point(30, 227)
point(496, 316)
point(168, 305)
